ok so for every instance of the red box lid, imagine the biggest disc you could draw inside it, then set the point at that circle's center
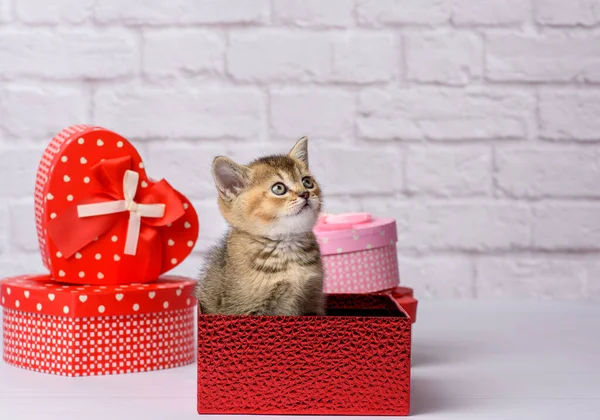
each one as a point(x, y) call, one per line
point(40, 294)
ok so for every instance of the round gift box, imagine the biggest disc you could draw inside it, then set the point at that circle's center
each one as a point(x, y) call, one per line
point(359, 253)
point(90, 330)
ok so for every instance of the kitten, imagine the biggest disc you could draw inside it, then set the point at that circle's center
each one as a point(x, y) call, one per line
point(269, 263)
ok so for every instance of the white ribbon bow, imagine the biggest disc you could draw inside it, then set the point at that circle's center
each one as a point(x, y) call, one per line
point(136, 211)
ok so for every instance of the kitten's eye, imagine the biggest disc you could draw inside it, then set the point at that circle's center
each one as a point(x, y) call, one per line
point(279, 189)
point(307, 182)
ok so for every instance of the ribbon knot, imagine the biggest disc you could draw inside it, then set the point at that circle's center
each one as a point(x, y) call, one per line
point(121, 200)
point(136, 211)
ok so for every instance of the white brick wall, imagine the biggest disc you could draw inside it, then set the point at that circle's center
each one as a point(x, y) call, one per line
point(67, 53)
point(490, 12)
point(567, 13)
point(445, 57)
point(476, 124)
point(542, 57)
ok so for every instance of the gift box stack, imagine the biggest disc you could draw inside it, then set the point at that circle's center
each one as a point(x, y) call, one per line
point(107, 234)
point(359, 256)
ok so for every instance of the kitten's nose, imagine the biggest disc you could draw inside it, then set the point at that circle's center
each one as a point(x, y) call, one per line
point(304, 194)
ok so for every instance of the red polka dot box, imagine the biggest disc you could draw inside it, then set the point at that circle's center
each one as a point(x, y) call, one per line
point(87, 330)
point(100, 219)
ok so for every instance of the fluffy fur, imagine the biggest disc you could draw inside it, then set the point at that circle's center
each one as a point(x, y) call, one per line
point(269, 262)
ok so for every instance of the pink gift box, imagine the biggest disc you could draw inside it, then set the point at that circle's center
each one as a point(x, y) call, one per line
point(359, 253)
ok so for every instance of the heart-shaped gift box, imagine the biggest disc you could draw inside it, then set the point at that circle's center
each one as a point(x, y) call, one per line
point(100, 219)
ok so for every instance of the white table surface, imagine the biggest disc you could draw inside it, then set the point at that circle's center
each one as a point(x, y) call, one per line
point(471, 360)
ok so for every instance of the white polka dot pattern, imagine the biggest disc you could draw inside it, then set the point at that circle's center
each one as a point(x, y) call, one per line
point(99, 345)
point(43, 174)
point(371, 270)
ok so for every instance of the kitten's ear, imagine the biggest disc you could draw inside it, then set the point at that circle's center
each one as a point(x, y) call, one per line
point(230, 178)
point(300, 151)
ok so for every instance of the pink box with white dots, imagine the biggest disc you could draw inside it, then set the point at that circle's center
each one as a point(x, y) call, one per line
point(359, 253)
point(88, 330)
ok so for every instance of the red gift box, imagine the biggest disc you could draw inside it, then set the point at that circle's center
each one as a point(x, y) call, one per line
point(100, 219)
point(355, 361)
point(84, 330)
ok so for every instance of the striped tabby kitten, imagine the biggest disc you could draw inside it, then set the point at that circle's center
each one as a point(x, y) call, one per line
point(269, 262)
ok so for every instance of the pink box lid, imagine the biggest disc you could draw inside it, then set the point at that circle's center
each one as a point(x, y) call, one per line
point(352, 232)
